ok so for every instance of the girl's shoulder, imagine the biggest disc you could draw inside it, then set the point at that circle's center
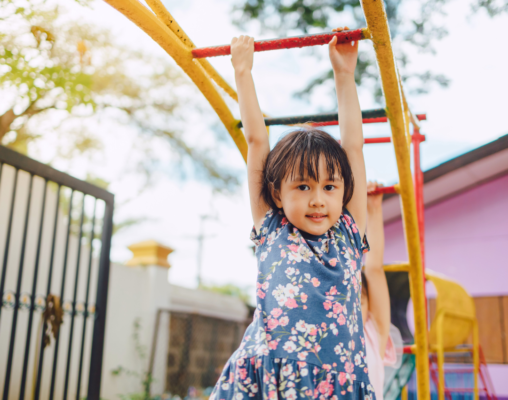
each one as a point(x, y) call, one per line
point(346, 225)
point(273, 221)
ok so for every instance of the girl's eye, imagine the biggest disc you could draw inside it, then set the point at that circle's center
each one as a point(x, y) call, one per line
point(303, 187)
point(329, 188)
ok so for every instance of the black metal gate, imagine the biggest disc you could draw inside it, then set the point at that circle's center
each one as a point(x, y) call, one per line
point(55, 238)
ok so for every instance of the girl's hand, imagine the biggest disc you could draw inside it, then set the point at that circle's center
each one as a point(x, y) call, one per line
point(374, 201)
point(343, 56)
point(242, 53)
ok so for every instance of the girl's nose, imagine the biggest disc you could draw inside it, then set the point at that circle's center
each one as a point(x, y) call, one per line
point(317, 199)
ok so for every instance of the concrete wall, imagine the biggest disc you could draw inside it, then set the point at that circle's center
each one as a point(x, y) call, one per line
point(465, 238)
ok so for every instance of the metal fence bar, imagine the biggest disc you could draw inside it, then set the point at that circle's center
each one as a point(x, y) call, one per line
point(62, 292)
point(48, 290)
point(25, 163)
point(8, 239)
point(32, 299)
point(85, 315)
point(17, 296)
point(73, 311)
point(94, 377)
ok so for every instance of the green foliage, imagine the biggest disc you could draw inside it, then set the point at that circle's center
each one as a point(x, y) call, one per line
point(58, 75)
point(230, 290)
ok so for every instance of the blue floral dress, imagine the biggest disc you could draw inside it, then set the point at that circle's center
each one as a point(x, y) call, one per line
point(306, 339)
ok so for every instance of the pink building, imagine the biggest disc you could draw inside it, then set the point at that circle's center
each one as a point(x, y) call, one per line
point(466, 236)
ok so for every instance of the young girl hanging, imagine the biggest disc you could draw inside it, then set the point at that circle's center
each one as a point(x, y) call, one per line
point(308, 199)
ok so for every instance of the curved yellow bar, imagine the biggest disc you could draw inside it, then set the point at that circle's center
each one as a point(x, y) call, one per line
point(377, 23)
point(181, 53)
point(164, 15)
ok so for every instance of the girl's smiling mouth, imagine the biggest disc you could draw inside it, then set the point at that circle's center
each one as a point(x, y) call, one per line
point(316, 217)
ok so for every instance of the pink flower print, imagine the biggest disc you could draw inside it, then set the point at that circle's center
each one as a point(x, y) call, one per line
point(284, 221)
point(262, 240)
point(333, 290)
point(291, 303)
point(325, 387)
point(263, 256)
point(301, 364)
point(261, 294)
point(337, 308)
point(283, 253)
point(327, 367)
point(243, 373)
point(355, 229)
point(350, 367)
point(272, 395)
point(323, 326)
point(276, 312)
point(272, 345)
point(258, 285)
point(317, 348)
point(333, 262)
point(272, 324)
point(341, 320)
point(268, 337)
point(293, 247)
point(315, 282)
point(353, 265)
point(352, 345)
point(313, 331)
point(265, 285)
point(283, 321)
point(342, 378)
point(304, 297)
point(290, 271)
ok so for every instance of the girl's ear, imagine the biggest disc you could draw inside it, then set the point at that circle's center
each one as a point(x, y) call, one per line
point(275, 196)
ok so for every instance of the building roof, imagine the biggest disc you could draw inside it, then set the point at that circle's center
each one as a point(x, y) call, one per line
point(457, 175)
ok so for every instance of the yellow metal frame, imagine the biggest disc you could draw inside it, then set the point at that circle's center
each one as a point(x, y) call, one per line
point(162, 27)
point(454, 322)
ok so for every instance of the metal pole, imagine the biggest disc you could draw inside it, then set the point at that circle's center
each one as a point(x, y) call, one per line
point(94, 377)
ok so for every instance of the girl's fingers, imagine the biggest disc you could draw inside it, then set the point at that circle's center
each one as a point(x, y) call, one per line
point(333, 42)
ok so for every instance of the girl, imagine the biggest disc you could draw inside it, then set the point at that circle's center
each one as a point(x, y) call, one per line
point(375, 298)
point(309, 204)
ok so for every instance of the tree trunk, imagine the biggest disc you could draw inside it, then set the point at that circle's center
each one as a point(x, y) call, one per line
point(5, 122)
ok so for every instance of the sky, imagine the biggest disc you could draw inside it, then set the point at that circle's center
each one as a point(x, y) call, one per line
point(468, 113)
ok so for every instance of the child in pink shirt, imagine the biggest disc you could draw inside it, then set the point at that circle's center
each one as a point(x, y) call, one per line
point(375, 298)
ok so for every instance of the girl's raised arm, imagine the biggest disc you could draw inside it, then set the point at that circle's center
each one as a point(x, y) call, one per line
point(242, 52)
point(343, 57)
point(379, 297)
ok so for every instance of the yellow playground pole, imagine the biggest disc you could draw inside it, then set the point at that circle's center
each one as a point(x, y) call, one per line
point(377, 24)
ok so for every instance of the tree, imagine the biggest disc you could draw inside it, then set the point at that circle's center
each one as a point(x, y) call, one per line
point(410, 31)
point(58, 75)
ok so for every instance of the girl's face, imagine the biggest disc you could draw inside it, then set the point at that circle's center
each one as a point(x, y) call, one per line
point(365, 305)
point(311, 206)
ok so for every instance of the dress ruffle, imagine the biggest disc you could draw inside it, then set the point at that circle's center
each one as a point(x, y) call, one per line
point(263, 377)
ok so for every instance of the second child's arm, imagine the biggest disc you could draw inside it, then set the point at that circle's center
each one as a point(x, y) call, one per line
point(379, 297)
point(343, 58)
point(242, 52)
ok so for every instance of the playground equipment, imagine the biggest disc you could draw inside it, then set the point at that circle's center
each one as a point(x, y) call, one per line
point(162, 27)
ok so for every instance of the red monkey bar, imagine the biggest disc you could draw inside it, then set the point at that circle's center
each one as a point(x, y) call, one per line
point(285, 43)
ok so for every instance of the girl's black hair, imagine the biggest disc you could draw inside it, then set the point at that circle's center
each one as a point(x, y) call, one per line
point(297, 154)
